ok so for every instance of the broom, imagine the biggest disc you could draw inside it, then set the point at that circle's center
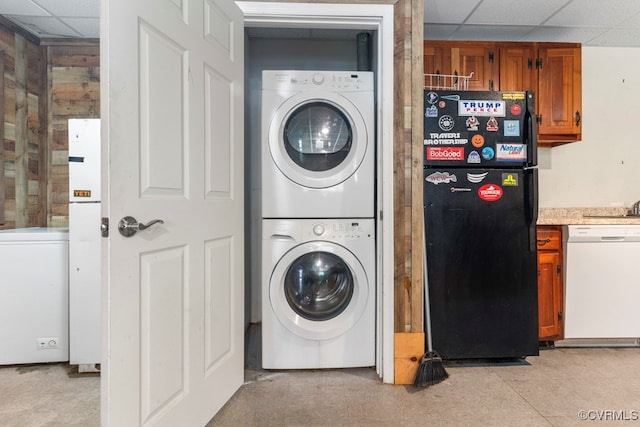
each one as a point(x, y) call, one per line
point(431, 370)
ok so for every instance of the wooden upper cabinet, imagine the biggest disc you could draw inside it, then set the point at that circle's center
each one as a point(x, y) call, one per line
point(517, 66)
point(553, 71)
point(461, 59)
point(437, 60)
point(559, 99)
point(479, 59)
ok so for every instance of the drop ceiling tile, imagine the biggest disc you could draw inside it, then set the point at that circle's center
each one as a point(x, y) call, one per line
point(44, 26)
point(88, 27)
point(594, 13)
point(494, 32)
point(628, 37)
point(448, 11)
point(438, 32)
point(514, 12)
point(21, 7)
point(68, 8)
point(563, 34)
point(631, 22)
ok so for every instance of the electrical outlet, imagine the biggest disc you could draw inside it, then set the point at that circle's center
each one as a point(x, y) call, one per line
point(48, 343)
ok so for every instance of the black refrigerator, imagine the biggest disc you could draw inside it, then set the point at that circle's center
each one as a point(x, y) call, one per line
point(480, 209)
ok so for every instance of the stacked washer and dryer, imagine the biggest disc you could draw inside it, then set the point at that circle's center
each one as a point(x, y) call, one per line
point(318, 228)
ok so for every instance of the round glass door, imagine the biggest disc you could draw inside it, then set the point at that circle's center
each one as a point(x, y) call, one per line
point(318, 286)
point(317, 137)
point(318, 290)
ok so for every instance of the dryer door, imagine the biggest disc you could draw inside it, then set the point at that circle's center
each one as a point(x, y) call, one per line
point(318, 139)
point(318, 290)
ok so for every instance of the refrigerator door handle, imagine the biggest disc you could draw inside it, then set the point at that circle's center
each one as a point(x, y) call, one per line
point(532, 131)
point(532, 208)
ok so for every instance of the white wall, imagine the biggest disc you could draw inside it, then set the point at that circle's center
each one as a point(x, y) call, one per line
point(602, 170)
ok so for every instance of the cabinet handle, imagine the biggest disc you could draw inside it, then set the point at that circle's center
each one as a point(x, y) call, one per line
point(543, 242)
point(577, 118)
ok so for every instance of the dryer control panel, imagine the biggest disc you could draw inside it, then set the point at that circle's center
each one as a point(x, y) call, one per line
point(297, 80)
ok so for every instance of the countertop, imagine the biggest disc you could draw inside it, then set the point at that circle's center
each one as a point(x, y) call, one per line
point(571, 216)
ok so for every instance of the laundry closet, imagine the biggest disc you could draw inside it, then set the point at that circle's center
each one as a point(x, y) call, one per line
point(310, 195)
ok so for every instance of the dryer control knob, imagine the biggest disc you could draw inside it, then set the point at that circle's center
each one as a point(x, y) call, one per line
point(317, 79)
point(318, 229)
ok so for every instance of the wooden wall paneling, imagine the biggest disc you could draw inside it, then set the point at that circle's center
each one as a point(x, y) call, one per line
point(400, 275)
point(43, 140)
point(416, 77)
point(7, 44)
point(33, 135)
point(2, 180)
point(21, 145)
point(74, 92)
point(408, 141)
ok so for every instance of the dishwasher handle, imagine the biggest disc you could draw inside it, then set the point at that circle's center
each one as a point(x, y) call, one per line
point(612, 239)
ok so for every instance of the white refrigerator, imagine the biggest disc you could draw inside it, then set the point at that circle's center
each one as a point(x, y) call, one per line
point(84, 243)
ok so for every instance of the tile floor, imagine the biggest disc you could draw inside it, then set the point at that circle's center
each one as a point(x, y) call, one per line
point(548, 390)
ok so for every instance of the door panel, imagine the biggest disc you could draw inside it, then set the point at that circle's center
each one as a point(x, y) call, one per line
point(173, 125)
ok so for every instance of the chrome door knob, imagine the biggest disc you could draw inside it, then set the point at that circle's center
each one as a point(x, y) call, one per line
point(128, 226)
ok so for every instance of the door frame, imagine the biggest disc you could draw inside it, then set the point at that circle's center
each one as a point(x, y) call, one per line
point(378, 18)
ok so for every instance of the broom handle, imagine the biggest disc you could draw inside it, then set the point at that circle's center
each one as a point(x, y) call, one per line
point(427, 309)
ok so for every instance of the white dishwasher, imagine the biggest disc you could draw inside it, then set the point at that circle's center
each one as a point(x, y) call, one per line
point(602, 285)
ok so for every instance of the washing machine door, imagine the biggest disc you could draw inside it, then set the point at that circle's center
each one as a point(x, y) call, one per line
point(318, 290)
point(318, 139)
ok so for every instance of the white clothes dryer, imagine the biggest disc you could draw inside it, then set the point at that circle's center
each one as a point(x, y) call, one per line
point(317, 144)
point(318, 296)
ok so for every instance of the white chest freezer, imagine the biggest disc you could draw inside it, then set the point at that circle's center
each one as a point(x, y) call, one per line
point(34, 295)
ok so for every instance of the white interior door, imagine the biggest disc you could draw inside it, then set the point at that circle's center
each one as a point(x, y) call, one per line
point(172, 112)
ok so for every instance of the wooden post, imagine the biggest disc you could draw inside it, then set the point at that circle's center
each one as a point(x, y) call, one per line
point(21, 153)
point(409, 338)
point(44, 147)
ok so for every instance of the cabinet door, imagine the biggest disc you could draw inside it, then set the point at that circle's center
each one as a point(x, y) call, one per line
point(549, 296)
point(437, 61)
point(479, 59)
point(516, 68)
point(559, 100)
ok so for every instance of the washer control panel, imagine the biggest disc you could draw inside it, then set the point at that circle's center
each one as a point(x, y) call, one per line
point(342, 229)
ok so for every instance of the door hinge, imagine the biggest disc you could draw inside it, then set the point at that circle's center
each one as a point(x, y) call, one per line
point(539, 63)
point(559, 269)
point(530, 63)
point(104, 227)
point(490, 56)
point(491, 85)
point(539, 119)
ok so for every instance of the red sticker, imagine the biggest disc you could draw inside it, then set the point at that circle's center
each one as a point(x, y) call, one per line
point(490, 192)
point(455, 154)
point(516, 109)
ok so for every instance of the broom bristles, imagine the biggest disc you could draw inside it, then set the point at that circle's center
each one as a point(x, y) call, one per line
point(431, 370)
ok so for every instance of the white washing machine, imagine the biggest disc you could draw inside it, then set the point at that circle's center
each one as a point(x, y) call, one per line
point(317, 144)
point(318, 296)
